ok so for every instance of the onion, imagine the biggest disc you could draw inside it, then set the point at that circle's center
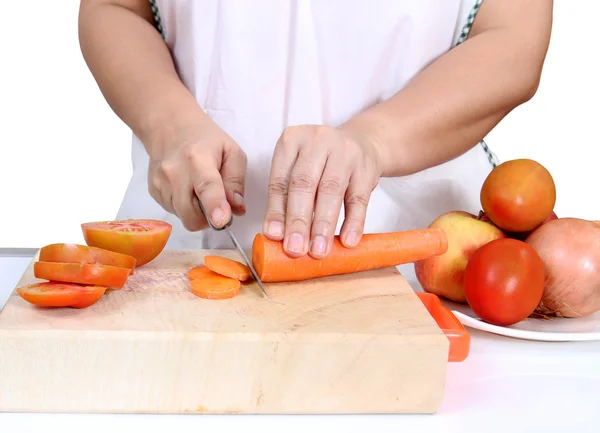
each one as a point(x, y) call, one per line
point(570, 250)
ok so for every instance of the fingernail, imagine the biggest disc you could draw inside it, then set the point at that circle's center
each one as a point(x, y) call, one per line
point(295, 243)
point(352, 238)
point(218, 216)
point(275, 229)
point(318, 245)
point(238, 199)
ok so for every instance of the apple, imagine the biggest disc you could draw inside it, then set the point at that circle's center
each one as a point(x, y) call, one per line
point(443, 274)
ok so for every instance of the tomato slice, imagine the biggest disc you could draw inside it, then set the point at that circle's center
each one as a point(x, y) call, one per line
point(73, 253)
point(143, 239)
point(81, 273)
point(56, 294)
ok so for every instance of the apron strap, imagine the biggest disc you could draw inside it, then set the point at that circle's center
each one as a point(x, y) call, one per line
point(157, 20)
point(492, 158)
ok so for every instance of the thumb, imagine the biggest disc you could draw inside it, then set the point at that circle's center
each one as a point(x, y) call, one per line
point(233, 173)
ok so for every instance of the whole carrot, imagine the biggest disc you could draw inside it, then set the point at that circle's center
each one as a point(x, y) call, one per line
point(375, 250)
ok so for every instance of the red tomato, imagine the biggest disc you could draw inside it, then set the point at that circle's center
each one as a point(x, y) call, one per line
point(142, 239)
point(54, 294)
point(79, 273)
point(518, 195)
point(504, 281)
point(73, 253)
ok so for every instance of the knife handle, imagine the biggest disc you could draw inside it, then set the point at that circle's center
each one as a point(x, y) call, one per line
point(210, 224)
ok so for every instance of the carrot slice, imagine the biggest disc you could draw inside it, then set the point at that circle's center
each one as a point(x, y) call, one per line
point(200, 272)
point(376, 250)
point(215, 287)
point(227, 267)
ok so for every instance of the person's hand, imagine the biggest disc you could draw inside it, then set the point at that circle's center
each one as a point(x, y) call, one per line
point(314, 170)
point(198, 162)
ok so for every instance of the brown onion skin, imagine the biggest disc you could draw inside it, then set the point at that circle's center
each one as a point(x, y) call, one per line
point(570, 250)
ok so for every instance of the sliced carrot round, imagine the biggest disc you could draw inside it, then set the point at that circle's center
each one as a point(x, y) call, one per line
point(200, 272)
point(215, 287)
point(227, 267)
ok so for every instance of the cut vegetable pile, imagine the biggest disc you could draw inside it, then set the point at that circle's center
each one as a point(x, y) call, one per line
point(517, 260)
point(219, 278)
point(79, 275)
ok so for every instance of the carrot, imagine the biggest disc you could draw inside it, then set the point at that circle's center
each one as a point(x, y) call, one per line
point(377, 250)
point(200, 272)
point(227, 267)
point(215, 287)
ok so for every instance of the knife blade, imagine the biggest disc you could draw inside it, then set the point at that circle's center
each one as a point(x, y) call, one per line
point(248, 262)
point(237, 245)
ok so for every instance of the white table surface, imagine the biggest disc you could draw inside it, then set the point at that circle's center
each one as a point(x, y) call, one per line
point(505, 385)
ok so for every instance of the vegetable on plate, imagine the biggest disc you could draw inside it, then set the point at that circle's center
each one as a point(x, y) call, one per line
point(570, 250)
point(504, 281)
point(518, 195)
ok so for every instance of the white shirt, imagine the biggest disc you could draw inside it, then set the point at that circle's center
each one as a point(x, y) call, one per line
point(259, 66)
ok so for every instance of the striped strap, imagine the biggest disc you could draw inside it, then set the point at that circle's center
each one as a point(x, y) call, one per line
point(157, 20)
point(492, 158)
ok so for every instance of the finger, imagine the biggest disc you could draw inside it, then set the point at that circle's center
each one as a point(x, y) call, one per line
point(328, 205)
point(160, 189)
point(302, 190)
point(177, 190)
point(186, 207)
point(209, 189)
point(284, 157)
point(233, 173)
point(355, 205)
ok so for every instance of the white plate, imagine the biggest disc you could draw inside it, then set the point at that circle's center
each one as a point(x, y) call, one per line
point(558, 329)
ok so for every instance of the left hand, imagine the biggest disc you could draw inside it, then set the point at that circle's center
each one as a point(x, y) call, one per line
point(316, 169)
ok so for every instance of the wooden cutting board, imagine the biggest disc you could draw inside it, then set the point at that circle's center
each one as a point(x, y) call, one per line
point(360, 343)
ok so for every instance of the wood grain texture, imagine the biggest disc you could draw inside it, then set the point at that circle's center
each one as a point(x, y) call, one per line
point(360, 343)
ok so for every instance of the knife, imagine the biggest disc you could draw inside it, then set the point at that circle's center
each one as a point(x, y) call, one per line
point(237, 245)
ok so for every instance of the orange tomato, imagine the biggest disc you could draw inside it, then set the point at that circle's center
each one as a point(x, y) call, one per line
point(504, 281)
point(80, 273)
point(73, 253)
point(518, 195)
point(55, 294)
point(142, 239)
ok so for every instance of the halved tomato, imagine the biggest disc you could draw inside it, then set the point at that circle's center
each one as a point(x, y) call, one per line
point(73, 253)
point(56, 294)
point(142, 239)
point(81, 273)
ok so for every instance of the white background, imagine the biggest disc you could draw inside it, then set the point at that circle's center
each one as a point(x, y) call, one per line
point(65, 157)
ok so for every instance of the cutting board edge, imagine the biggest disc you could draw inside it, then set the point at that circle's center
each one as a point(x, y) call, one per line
point(221, 376)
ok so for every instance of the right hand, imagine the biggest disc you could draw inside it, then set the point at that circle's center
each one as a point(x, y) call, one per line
point(198, 162)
